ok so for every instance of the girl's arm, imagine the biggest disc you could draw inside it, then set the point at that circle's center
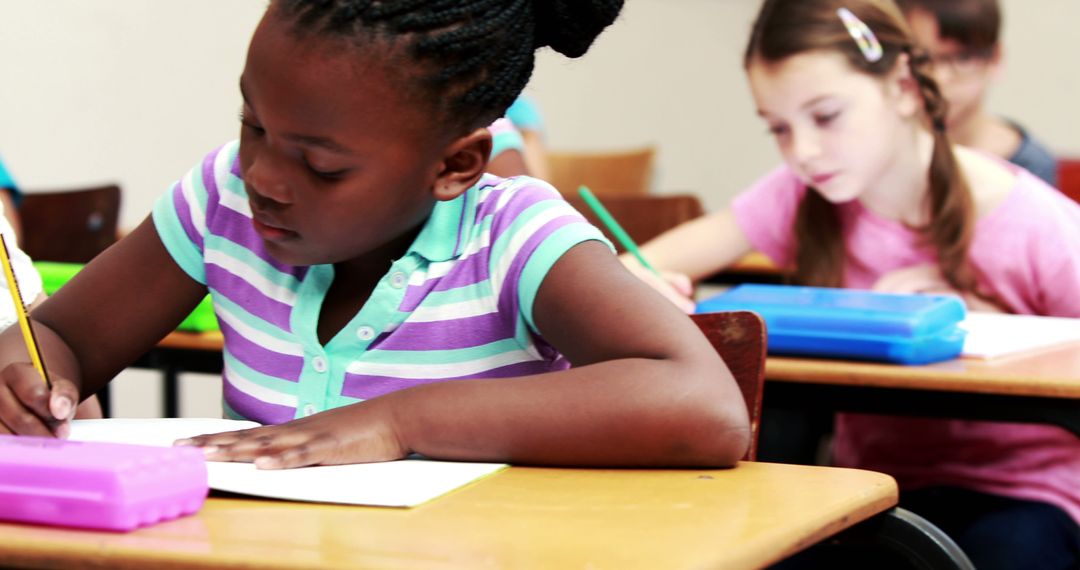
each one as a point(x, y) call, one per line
point(699, 247)
point(647, 389)
point(112, 312)
point(688, 253)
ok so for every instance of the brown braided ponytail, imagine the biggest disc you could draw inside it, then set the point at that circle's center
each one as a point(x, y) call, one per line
point(785, 28)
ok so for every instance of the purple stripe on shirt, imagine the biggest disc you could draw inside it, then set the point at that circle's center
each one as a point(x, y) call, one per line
point(464, 273)
point(183, 212)
point(254, 409)
point(237, 228)
point(209, 178)
point(508, 300)
point(260, 359)
point(451, 334)
point(367, 387)
point(244, 294)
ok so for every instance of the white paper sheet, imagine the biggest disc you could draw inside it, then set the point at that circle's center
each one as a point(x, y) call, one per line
point(404, 483)
point(994, 334)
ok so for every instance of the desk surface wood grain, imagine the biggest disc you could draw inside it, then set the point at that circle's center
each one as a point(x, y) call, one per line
point(745, 517)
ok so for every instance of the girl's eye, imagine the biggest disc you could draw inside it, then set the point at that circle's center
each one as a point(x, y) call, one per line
point(827, 118)
point(778, 130)
point(248, 124)
point(326, 174)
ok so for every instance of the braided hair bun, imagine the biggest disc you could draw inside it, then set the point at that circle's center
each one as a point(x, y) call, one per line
point(570, 26)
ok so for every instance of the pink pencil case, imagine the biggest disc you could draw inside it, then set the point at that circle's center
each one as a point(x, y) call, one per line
point(109, 486)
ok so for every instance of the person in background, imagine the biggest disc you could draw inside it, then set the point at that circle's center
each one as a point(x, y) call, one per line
point(524, 113)
point(27, 276)
point(962, 40)
point(874, 195)
point(9, 199)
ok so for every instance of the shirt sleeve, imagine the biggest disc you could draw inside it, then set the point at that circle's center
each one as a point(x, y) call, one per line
point(8, 183)
point(533, 227)
point(765, 213)
point(180, 216)
point(504, 137)
point(525, 114)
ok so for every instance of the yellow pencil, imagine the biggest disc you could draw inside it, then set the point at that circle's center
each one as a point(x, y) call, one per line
point(20, 310)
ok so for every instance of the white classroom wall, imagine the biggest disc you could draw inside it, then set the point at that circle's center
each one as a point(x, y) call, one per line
point(137, 91)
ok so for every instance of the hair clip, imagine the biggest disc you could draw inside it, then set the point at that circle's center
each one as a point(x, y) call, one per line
point(862, 34)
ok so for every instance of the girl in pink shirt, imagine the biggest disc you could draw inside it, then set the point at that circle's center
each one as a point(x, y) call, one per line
point(873, 196)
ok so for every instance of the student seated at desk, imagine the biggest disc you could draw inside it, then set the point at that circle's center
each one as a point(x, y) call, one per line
point(961, 39)
point(378, 294)
point(873, 195)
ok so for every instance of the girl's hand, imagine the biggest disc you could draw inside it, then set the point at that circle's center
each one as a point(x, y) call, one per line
point(675, 287)
point(28, 407)
point(927, 279)
point(358, 433)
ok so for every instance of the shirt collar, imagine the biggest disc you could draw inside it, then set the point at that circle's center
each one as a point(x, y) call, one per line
point(442, 237)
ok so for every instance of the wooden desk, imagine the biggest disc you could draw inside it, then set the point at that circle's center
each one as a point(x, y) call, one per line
point(1039, 387)
point(747, 517)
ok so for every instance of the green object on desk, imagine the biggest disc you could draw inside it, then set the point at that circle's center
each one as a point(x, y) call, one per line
point(613, 226)
point(55, 274)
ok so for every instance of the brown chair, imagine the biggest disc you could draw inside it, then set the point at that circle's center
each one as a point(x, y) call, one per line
point(643, 217)
point(71, 225)
point(617, 173)
point(1069, 177)
point(739, 337)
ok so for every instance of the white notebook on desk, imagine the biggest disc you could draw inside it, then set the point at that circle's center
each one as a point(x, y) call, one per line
point(994, 334)
point(404, 483)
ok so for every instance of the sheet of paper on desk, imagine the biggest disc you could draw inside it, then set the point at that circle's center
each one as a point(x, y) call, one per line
point(994, 334)
point(403, 483)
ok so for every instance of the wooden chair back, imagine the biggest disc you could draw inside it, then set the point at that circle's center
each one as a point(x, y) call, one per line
point(70, 225)
point(643, 217)
point(1069, 177)
point(739, 338)
point(618, 173)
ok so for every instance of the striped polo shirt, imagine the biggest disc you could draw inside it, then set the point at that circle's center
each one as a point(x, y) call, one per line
point(457, 305)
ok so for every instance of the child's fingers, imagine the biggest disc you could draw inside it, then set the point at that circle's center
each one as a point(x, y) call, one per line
point(21, 417)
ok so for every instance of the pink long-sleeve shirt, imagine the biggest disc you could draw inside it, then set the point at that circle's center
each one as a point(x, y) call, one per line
point(1027, 253)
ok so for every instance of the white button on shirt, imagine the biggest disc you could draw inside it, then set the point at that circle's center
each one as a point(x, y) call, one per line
point(319, 364)
point(398, 280)
point(365, 333)
point(309, 409)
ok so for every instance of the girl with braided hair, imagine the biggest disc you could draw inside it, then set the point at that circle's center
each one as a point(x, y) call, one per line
point(379, 294)
point(872, 195)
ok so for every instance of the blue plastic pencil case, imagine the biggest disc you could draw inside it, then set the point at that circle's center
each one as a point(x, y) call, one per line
point(847, 323)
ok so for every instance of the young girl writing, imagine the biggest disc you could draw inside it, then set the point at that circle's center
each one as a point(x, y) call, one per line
point(872, 195)
point(378, 293)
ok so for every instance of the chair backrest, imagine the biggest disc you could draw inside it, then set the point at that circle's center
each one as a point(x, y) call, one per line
point(1069, 177)
point(739, 338)
point(69, 225)
point(616, 173)
point(643, 217)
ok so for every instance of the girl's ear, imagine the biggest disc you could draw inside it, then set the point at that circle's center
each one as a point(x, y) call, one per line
point(463, 163)
point(903, 88)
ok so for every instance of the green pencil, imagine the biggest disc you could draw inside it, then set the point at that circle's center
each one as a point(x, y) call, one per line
point(614, 227)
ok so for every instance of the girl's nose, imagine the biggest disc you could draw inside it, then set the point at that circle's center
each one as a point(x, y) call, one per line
point(264, 179)
point(805, 145)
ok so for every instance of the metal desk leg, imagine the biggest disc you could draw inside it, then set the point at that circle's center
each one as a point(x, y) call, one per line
point(906, 536)
point(171, 391)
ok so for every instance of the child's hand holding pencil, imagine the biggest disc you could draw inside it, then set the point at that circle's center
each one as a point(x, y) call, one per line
point(30, 404)
point(676, 287)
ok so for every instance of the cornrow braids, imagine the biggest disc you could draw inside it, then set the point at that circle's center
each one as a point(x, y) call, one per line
point(469, 58)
